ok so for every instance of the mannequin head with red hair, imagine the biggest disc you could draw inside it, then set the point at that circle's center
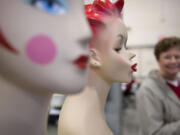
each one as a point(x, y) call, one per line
point(109, 62)
point(108, 46)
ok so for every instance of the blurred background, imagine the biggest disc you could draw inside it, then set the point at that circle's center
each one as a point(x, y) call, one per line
point(148, 21)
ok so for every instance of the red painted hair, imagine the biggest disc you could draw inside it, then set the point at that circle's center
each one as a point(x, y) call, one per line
point(98, 10)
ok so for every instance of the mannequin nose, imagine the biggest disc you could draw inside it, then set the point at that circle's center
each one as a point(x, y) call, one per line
point(131, 55)
point(84, 41)
point(85, 34)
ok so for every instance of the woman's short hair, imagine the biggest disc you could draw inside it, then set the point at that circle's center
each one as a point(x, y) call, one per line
point(166, 44)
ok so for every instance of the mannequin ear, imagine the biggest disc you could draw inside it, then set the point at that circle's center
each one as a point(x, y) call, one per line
point(95, 60)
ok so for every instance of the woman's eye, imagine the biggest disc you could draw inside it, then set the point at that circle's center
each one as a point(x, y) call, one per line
point(50, 6)
point(177, 57)
point(167, 57)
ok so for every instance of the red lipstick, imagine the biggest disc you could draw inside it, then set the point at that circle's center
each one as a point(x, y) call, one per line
point(81, 62)
point(4, 43)
point(133, 67)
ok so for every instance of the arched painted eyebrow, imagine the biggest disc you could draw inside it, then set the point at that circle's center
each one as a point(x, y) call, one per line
point(33, 1)
point(124, 39)
point(30, 1)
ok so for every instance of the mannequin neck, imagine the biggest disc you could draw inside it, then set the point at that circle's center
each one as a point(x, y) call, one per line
point(22, 111)
point(88, 109)
point(97, 85)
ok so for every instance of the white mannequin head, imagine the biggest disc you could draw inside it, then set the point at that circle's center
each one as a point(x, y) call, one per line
point(42, 45)
point(109, 56)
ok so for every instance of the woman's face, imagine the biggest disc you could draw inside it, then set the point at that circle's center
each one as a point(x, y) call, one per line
point(115, 59)
point(169, 62)
point(44, 44)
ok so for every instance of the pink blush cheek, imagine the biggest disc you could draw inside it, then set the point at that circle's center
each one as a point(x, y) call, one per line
point(119, 58)
point(41, 50)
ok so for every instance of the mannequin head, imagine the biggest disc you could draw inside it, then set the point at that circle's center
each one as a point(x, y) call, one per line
point(109, 57)
point(42, 45)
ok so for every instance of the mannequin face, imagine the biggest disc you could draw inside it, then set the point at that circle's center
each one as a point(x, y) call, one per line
point(114, 59)
point(49, 48)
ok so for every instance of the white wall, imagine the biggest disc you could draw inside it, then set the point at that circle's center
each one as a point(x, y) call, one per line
point(151, 19)
point(146, 61)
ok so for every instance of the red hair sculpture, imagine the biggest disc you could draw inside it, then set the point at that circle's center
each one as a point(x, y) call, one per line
point(99, 9)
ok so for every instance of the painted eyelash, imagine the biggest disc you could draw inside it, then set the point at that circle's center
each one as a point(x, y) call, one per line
point(117, 49)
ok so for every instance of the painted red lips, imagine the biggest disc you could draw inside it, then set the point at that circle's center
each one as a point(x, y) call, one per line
point(4, 43)
point(133, 67)
point(81, 62)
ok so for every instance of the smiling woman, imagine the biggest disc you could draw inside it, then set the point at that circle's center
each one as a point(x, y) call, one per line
point(42, 51)
point(158, 99)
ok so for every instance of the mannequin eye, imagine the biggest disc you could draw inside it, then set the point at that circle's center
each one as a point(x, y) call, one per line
point(117, 49)
point(50, 6)
point(118, 46)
